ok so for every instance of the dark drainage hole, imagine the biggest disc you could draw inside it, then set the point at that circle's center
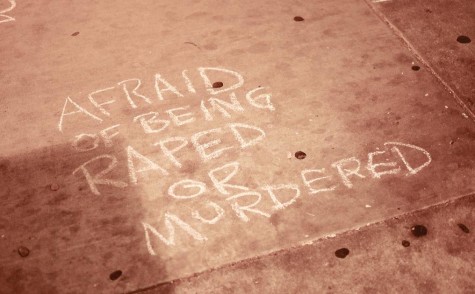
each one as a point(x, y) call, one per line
point(415, 67)
point(419, 230)
point(406, 243)
point(23, 251)
point(464, 228)
point(342, 253)
point(298, 18)
point(300, 155)
point(115, 275)
point(463, 39)
point(217, 85)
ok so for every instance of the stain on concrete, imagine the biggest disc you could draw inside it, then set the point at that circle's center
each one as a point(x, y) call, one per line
point(342, 252)
point(23, 251)
point(80, 236)
point(217, 85)
point(300, 155)
point(115, 275)
point(463, 39)
point(464, 228)
point(275, 219)
point(24, 279)
point(189, 167)
point(419, 230)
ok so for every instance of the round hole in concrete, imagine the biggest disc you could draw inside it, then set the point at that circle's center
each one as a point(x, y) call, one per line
point(54, 187)
point(115, 275)
point(298, 18)
point(300, 155)
point(23, 251)
point(406, 243)
point(342, 252)
point(419, 230)
point(217, 85)
point(463, 39)
point(415, 67)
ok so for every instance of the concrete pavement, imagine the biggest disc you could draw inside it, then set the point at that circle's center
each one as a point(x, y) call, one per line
point(148, 142)
point(387, 257)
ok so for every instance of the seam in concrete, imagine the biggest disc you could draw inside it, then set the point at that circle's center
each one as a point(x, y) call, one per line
point(419, 57)
point(311, 242)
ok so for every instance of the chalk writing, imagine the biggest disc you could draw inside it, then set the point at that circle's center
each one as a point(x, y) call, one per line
point(278, 204)
point(178, 116)
point(98, 179)
point(79, 109)
point(308, 182)
point(169, 218)
point(240, 209)
point(132, 156)
point(345, 173)
point(3, 16)
point(219, 214)
point(207, 146)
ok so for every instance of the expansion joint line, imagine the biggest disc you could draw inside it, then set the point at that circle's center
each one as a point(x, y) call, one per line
point(399, 33)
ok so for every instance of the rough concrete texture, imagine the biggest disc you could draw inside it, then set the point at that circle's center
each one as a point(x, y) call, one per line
point(386, 257)
point(441, 33)
point(147, 142)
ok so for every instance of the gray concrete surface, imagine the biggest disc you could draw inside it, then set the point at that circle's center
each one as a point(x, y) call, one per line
point(123, 167)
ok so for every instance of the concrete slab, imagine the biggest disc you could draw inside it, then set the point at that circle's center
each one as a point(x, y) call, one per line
point(382, 258)
point(442, 35)
point(124, 165)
